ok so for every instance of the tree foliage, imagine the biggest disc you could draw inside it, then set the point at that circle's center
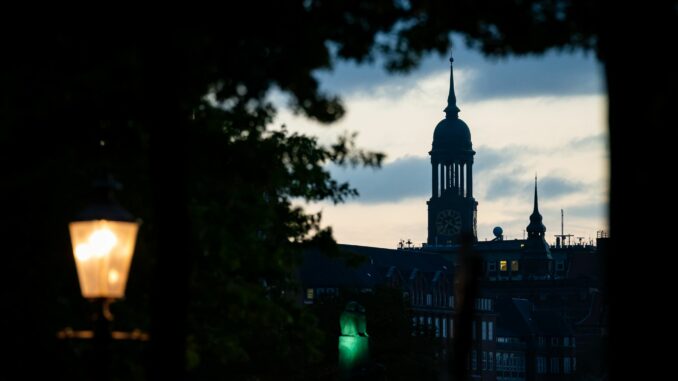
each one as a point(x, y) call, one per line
point(212, 183)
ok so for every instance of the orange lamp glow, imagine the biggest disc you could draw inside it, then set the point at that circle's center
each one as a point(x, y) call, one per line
point(103, 236)
point(103, 252)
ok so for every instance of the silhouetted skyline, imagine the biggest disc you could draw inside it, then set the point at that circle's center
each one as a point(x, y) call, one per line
point(545, 114)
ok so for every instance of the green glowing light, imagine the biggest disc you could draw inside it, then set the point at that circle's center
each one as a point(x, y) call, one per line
point(353, 342)
point(353, 350)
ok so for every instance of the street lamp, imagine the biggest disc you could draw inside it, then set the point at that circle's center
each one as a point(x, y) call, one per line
point(103, 237)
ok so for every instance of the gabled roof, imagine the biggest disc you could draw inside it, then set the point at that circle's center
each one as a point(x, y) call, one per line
point(518, 318)
point(380, 265)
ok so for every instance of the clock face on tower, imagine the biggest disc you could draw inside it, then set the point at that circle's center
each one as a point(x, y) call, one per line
point(448, 222)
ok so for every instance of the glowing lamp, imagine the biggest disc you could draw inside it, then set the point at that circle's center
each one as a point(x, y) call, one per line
point(103, 237)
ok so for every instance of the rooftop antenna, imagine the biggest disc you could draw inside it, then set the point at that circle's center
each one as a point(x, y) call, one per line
point(561, 237)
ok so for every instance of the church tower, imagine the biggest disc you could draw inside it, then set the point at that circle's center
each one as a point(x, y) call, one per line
point(452, 208)
point(536, 260)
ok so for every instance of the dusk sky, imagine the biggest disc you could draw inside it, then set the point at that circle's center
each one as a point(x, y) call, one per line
point(527, 115)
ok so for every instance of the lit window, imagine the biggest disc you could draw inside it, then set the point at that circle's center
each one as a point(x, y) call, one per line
point(309, 293)
point(502, 266)
point(514, 266)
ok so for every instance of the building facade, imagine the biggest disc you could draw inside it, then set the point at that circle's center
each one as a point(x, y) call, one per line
point(535, 302)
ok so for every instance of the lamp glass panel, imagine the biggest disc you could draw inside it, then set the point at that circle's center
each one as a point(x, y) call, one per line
point(103, 253)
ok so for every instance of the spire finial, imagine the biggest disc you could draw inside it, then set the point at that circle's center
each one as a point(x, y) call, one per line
point(451, 111)
point(536, 199)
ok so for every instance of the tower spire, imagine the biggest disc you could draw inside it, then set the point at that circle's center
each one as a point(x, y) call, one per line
point(451, 111)
point(536, 199)
point(536, 226)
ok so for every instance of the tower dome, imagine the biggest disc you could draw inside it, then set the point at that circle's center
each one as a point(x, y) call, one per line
point(452, 133)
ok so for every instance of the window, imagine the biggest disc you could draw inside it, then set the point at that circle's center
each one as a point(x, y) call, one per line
point(566, 341)
point(490, 364)
point(444, 327)
point(309, 293)
point(429, 321)
point(514, 266)
point(474, 360)
point(484, 330)
point(541, 340)
point(566, 365)
point(450, 301)
point(492, 266)
point(484, 360)
point(541, 365)
point(451, 327)
point(560, 266)
point(428, 299)
point(554, 341)
point(573, 343)
point(490, 329)
point(555, 366)
point(473, 330)
point(437, 327)
point(502, 265)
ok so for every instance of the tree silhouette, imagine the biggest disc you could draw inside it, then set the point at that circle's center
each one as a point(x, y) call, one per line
point(214, 186)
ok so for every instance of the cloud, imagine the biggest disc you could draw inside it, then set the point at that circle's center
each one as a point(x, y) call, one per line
point(498, 168)
point(589, 210)
point(585, 143)
point(551, 74)
point(551, 187)
point(489, 158)
point(402, 178)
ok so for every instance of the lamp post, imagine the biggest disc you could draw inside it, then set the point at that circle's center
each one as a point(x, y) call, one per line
point(103, 237)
